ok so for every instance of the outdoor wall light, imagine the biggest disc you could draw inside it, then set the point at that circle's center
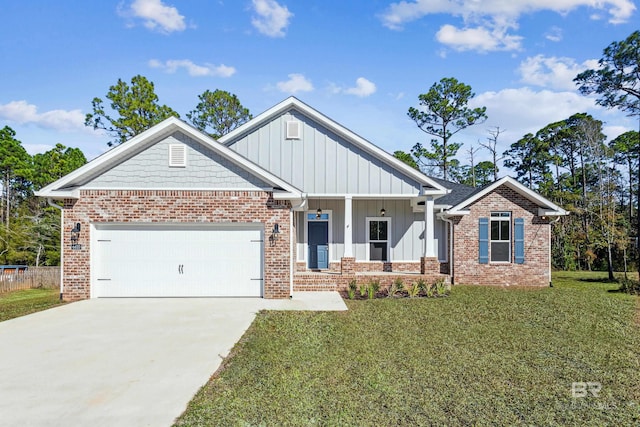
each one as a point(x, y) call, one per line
point(382, 212)
point(276, 228)
point(318, 213)
point(75, 232)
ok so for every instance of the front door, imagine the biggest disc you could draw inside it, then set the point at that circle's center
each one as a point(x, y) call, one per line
point(318, 244)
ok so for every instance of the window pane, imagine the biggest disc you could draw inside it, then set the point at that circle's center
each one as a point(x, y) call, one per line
point(500, 251)
point(495, 230)
point(378, 251)
point(382, 230)
point(373, 230)
point(504, 234)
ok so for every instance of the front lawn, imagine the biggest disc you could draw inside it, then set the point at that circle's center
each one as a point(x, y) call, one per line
point(482, 356)
point(18, 303)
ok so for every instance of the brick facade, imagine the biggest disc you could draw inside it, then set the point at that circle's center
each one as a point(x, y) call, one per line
point(534, 272)
point(163, 206)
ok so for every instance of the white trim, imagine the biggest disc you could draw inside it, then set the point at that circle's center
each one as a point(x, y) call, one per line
point(510, 241)
point(361, 196)
point(294, 103)
point(430, 251)
point(367, 239)
point(514, 185)
point(151, 136)
point(332, 250)
point(348, 227)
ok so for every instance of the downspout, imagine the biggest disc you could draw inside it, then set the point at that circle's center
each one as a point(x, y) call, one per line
point(450, 222)
point(50, 203)
point(292, 249)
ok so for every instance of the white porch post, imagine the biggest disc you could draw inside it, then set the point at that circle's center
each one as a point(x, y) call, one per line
point(429, 250)
point(348, 229)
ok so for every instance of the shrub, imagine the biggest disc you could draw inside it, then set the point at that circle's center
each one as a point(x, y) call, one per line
point(399, 284)
point(363, 289)
point(353, 287)
point(422, 285)
point(392, 289)
point(629, 286)
point(413, 290)
point(441, 287)
point(374, 286)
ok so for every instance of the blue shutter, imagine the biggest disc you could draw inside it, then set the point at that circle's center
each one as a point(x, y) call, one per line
point(518, 235)
point(483, 241)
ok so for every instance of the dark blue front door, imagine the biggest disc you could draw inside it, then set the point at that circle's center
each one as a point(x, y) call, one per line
point(319, 244)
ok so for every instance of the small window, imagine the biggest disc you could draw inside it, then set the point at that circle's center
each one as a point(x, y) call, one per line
point(500, 237)
point(294, 129)
point(378, 239)
point(177, 155)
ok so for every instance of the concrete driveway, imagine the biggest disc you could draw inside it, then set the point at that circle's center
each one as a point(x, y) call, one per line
point(124, 362)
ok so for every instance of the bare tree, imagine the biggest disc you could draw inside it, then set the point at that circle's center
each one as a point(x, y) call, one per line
point(472, 152)
point(491, 145)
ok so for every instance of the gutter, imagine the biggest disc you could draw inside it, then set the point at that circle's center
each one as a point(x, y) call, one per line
point(54, 205)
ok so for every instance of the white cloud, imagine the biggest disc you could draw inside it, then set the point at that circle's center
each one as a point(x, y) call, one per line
point(194, 70)
point(271, 18)
point(554, 34)
point(156, 15)
point(481, 39)
point(552, 72)
point(363, 88)
point(296, 83)
point(486, 22)
point(21, 112)
point(524, 110)
point(398, 14)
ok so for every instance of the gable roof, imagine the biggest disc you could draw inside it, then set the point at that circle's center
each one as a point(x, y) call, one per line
point(68, 186)
point(430, 185)
point(459, 192)
point(545, 206)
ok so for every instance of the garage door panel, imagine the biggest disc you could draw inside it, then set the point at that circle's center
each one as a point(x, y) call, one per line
point(175, 261)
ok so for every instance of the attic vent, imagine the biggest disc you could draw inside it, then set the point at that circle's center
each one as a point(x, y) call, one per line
point(294, 129)
point(177, 155)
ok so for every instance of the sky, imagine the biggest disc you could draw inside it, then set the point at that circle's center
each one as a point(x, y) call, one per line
point(361, 63)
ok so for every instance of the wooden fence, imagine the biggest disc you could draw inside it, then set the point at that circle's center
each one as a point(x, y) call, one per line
point(33, 277)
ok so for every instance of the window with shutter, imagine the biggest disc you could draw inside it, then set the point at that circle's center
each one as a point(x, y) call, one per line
point(518, 242)
point(483, 242)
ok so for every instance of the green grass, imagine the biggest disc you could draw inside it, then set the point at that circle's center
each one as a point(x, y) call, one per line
point(483, 356)
point(19, 303)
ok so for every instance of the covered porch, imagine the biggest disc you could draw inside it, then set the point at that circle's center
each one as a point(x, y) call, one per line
point(366, 238)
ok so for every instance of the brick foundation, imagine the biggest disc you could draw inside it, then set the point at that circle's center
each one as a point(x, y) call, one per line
point(160, 206)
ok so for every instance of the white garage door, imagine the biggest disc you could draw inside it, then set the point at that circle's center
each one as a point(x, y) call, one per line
point(191, 260)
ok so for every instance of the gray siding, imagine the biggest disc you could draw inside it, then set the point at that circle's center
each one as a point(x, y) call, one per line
point(407, 229)
point(150, 169)
point(320, 162)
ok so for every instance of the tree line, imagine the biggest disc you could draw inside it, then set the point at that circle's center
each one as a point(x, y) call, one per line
point(569, 161)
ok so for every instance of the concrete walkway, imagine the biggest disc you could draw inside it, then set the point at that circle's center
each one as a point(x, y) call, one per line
point(123, 362)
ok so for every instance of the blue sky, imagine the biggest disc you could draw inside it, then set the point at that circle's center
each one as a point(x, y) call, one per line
point(362, 63)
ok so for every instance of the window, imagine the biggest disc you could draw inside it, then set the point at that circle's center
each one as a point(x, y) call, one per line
point(378, 237)
point(500, 237)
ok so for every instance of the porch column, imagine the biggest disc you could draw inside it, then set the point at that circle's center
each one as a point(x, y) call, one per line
point(348, 229)
point(429, 250)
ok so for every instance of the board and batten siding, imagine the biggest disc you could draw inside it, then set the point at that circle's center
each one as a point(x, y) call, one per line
point(407, 229)
point(150, 169)
point(320, 162)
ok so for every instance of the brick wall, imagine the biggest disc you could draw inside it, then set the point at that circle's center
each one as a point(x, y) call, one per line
point(154, 206)
point(534, 271)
